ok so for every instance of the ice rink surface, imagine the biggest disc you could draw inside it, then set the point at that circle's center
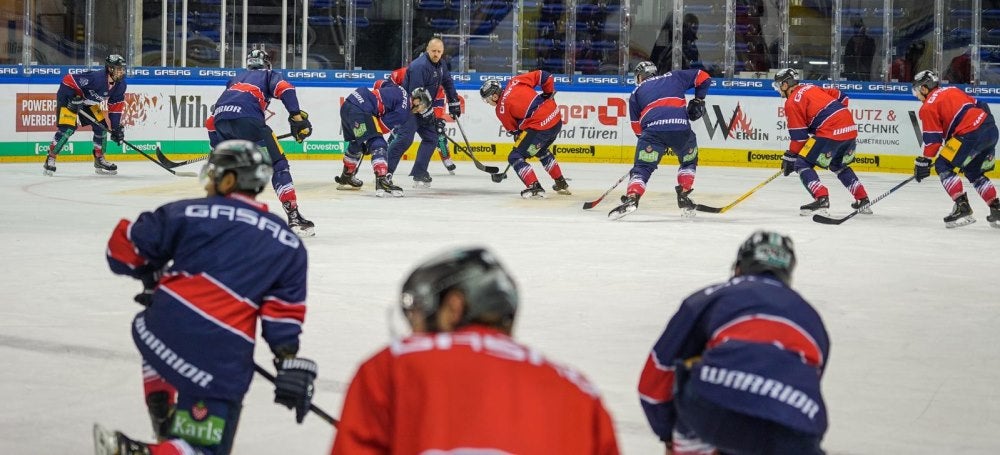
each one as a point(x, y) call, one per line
point(912, 308)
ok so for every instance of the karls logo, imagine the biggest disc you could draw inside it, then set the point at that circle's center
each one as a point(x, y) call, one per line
point(607, 114)
point(187, 111)
point(738, 126)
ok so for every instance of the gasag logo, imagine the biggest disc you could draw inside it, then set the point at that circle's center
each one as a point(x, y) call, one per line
point(738, 126)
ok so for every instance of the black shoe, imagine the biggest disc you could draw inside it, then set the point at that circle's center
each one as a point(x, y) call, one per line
point(103, 166)
point(863, 206)
point(683, 201)
point(961, 213)
point(630, 202)
point(347, 181)
point(384, 186)
point(423, 181)
point(449, 165)
point(994, 216)
point(561, 186)
point(535, 191)
point(108, 442)
point(49, 167)
point(299, 225)
point(819, 206)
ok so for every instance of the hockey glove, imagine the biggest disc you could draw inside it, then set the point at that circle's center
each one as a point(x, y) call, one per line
point(293, 385)
point(455, 109)
point(149, 283)
point(301, 129)
point(118, 134)
point(546, 96)
point(75, 104)
point(921, 168)
point(439, 126)
point(788, 163)
point(515, 134)
point(696, 109)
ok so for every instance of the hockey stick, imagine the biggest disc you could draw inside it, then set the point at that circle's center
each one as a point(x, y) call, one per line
point(705, 208)
point(500, 177)
point(827, 220)
point(592, 204)
point(468, 151)
point(105, 125)
point(312, 407)
point(172, 164)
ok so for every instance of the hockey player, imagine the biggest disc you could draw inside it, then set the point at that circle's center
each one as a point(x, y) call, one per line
point(430, 72)
point(365, 117)
point(662, 123)
point(738, 367)
point(87, 91)
point(197, 334)
point(397, 77)
point(533, 120)
point(821, 113)
point(239, 114)
point(962, 133)
point(461, 383)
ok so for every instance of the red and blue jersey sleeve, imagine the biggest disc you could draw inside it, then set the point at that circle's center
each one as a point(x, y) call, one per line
point(394, 107)
point(679, 341)
point(138, 248)
point(116, 103)
point(284, 91)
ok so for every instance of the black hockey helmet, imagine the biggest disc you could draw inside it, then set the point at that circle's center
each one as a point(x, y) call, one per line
point(257, 59)
point(786, 76)
point(766, 252)
point(422, 96)
point(925, 78)
point(489, 88)
point(490, 293)
point(644, 70)
point(251, 165)
point(114, 65)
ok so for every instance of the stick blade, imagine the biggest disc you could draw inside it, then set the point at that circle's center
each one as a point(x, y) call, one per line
point(491, 169)
point(707, 209)
point(591, 204)
point(827, 220)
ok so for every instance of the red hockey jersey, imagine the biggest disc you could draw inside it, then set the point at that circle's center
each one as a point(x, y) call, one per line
point(820, 112)
point(945, 113)
point(475, 389)
point(521, 108)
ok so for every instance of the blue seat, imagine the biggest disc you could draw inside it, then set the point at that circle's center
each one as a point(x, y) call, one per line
point(991, 14)
point(362, 4)
point(443, 23)
point(604, 45)
point(702, 9)
point(321, 20)
point(431, 5)
point(553, 8)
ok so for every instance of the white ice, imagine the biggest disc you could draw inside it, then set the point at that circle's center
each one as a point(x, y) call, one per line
point(911, 307)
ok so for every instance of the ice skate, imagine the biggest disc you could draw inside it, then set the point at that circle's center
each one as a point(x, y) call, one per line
point(994, 216)
point(961, 213)
point(104, 167)
point(535, 191)
point(561, 186)
point(818, 207)
point(107, 442)
point(863, 206)
point(423, 181)
point(347, 181)
point(684, 202)
point(449, 165)
point(49, 167)
point(384, 187)
point(630, 202)
point(299, 225)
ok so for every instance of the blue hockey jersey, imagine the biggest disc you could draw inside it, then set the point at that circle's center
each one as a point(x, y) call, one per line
point(389, 104)
point(754, 346)
point(249, 94)
point(232, 263)
point(431, 76)
point(658, 103)
point(93, 87)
